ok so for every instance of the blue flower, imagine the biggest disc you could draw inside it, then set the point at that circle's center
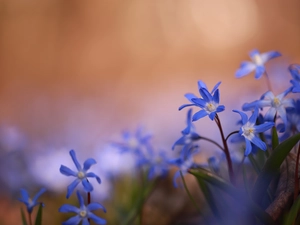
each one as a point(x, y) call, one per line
point(83, 212)
point(134, 142)
point(81, 175)
point(209, 103)
point(189, 134)
point(277, 105)
point(184, 162)
point(249, 130)
point(295, 72)
point(257, 64)
point(30, 203)
point(158, 164)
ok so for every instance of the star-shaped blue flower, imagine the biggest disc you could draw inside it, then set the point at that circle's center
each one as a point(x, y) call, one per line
point(30, 203)
point(257, 64)
point(84, 213)
point(277, 104)
point(249, 130)
point(295, 72)
point(209, 103)
point(81, 174)
point(189, 134)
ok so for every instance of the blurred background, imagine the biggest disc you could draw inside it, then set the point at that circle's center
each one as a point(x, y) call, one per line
point(74, 74)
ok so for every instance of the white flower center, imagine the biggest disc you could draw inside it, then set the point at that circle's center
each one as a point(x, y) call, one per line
point(276, 102)
point(81, 175)
point(133, 143)
point(211, 107)
point(257, 59)
point(82, 213)
point(248, 131)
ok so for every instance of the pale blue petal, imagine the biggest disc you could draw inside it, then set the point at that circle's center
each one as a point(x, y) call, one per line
point(215, 87)
point(295, 71)
point(185, 105)
point(248, 147)
point(180, 141)
point(87, 185)
point(73, 156)
point(88, 163)
point(199, 115)
point(269, 55)
point(190, 96)
point(253, 53)
point(270, 115)
point(75, 220)
point(66, 208)
point(259, 71)
point(206, 95)
point(201, 84)
point(38, 194)
point(245, 69)
point(80, 199)
point(91, 174)
point(243, 116)
point(212, 115)
point(199, 102)
point(67, 171)
point(94, 206)
point(85, 221)
point(71, 187)
point(259, 143)
point(24, 195)
point(97, 219)
point(263, 127)
point(176, 175)
point(220, 108)
point(216, 97)
point(254, 116)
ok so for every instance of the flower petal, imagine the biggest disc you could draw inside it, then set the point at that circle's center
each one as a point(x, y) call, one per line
point(270, 115)
point(94, 206)
point(67, 171)
point(259, 71)
point(205, 95)
point(269, 55)
point(71, 187)
point(243, 116)
point(88, 163)
point(248, 147)
point(185, 105)
point(73, 156)
point(199, 115)
point(97, 219)
point(80, 199)
point(75, 220)
point(263, 127)
point(25, 196)
point(66, 208)
point(254, 116)
point(189, 96)
point(38, 194)
point(245, 68)
point(87, 185)
point(259, 143)
point(91, 174)
point(215, 87)
point(216, 97)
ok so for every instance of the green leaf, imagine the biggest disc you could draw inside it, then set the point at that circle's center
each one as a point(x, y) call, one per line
point(275, 141)
point(38, 219)
point(292, 215)
point(233, 192)
point(209, 197)
point(271, 167)
point(23, 217)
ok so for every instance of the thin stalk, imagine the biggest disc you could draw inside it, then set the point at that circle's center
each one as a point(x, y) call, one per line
point(296, 189)
point(88, 199)
point(189, 194)
point(29, 218)
point(268, 81)
point(233, 132)
point(226, 151)
point(212, 141)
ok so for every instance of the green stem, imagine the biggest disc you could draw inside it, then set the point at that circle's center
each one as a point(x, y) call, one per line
point(189, 194)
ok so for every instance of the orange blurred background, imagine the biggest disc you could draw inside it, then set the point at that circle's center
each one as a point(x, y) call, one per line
point(73, 74)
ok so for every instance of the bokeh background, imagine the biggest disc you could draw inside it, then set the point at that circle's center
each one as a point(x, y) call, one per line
point(74, 74)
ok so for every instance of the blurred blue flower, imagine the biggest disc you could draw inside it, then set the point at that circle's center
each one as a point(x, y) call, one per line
point(277, 104)
point(250, 129)
point(136, 142)
point(83, 212)
point(158, 163)
point(30, 203)
point(209, 103)
point(257, 64)
point(295, 72)
point(81, 175)
point(184, 162)
point(189, 134)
